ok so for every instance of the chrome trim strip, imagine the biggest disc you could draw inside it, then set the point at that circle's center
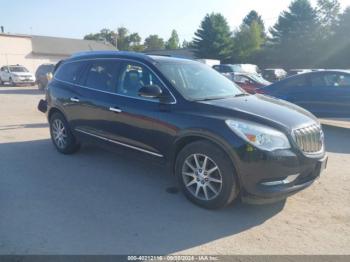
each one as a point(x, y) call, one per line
point(119, 143)
point(74, 99)
point(117, 110)
point(122, 59)
point(286, 181)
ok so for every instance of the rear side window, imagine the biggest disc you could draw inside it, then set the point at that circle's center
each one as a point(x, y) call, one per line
point(102, 75)
point(70, 72)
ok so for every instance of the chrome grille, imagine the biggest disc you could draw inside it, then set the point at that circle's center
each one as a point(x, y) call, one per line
point(309, 139)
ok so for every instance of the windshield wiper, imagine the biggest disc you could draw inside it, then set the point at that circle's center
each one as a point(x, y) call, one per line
point(210, 98)
point(242, 94)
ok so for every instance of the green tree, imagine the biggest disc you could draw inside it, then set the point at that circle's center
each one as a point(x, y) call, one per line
point(123, 41)
point(104, 35)
point(173, 42)
point(135, 42)
point(213, 40)
point(328, 12)
point(338, 53)
point(248, 41)
point(186, 44)
point(295, 36)
point(252, 17)
point(154, 42)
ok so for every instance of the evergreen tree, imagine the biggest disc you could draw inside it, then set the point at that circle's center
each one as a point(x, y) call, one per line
point(295, 36)
point(249, 38)
point(213, 40)
point(253, 16)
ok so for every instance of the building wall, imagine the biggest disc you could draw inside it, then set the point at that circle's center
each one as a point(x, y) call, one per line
point(18, 50)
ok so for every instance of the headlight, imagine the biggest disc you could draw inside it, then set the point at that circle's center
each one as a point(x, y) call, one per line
point(260, 136)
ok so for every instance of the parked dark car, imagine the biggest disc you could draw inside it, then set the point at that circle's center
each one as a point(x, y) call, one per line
point(324, 93)
point(220, 142)
point(43, 75)
point(250, 82)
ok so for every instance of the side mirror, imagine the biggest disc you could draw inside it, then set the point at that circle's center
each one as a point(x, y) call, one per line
point(150, 91)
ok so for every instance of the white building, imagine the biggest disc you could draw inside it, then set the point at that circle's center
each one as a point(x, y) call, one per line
point(32, 51)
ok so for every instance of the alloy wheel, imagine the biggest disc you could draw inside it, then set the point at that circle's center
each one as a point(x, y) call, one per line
point(202, 177)
point(59, 133)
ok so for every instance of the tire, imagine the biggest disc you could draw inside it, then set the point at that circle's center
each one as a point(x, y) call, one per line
point(11, 82)
point(1, 82)
point(40, 86)
point(218, 194)
point(62, 136)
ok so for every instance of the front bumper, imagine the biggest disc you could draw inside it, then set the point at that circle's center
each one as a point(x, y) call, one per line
point(268, 177)
point(19, 81)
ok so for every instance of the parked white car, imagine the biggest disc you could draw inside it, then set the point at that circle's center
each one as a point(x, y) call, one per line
point(16, 75)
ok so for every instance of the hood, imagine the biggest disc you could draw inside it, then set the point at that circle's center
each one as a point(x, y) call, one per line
point(267, 108)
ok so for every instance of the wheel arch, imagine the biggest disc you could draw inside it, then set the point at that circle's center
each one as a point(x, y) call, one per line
point(193, 136)
point(53, 110)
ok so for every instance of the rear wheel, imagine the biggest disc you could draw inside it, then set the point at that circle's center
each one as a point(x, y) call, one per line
point(1, 82)
point(62, 136)
point(206, 175)
point(11, 82)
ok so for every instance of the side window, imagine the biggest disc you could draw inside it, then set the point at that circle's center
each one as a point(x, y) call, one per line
point(337, 79)
point(101, 75)
point(217, 68)
point(132, 77)
point(317, 80)
point(70, 72)
point(298, 81)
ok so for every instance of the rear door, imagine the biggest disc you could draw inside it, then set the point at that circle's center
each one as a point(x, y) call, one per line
point(333, 94)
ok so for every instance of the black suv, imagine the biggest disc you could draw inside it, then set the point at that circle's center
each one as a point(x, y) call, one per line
point(220, 142)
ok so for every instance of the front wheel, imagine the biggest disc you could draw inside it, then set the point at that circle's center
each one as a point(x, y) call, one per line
point(206, 175)
point(40, 85)
point(61, 135)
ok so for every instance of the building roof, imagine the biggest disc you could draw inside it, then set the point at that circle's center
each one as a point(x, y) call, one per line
point(47, 45)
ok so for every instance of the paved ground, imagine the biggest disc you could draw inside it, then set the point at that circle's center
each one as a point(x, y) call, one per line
point(97, 202)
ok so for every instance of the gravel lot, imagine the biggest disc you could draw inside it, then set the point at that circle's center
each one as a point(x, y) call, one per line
point(98, 202)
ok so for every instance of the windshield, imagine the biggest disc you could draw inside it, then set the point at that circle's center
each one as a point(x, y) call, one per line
point(259, 79)
point(196, 81)
point(18, 69)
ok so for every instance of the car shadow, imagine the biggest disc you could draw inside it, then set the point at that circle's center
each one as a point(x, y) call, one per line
point(100, 202)
point(337, 139)
point(21, 91)
point(38, 125)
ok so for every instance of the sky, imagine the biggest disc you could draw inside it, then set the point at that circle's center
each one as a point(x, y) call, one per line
point(76, 18)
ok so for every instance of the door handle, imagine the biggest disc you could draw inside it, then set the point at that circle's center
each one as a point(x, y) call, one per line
point(74, 99)
point(115, 109)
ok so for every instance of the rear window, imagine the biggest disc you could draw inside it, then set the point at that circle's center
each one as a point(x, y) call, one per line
point(102, 75)
point(70, 72)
